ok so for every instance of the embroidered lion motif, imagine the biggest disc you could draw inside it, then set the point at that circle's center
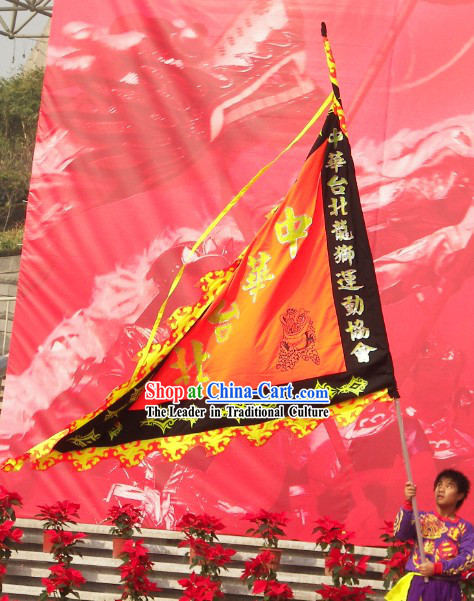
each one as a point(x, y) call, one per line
point(431, 527)
point(298, 339)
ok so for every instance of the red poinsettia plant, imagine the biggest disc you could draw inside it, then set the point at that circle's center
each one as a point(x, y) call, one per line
point(200, 588)
point(340, 560)
point(272, 590)
point(332, 534)
point(343, 566)
point(268, 526)
point(61, 582)
point(467, 585)
point(134, 572)
point(124, 520)
point(57, 516)
point(201, 526)
point(345, 593)
point(8, 502)
point(64, 544)
point(9, 536)
point(210, 557)
point(9, 539)
point(204, 551)
point(258, 568)
point(398, 553)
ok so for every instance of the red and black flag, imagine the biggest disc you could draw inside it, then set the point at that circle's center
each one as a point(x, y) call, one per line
point(299, 306)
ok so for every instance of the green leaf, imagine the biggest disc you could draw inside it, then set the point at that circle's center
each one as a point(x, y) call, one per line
point(250, 531)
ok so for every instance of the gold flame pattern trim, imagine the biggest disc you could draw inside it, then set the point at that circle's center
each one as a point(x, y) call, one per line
point(174, 448)
point(179, 322)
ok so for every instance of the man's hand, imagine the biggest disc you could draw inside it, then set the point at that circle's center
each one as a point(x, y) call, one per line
point(410, 491)
point(426, 568)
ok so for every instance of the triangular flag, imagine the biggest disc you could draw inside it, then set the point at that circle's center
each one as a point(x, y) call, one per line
point(298, 312)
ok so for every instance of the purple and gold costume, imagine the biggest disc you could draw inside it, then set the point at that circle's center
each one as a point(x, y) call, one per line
point(448, 543)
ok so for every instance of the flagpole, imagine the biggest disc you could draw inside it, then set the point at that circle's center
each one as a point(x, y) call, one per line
point(337, 106)
point(406, 460)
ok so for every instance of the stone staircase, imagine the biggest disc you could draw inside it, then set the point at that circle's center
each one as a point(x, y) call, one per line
point(9, 268)
point(301, 567)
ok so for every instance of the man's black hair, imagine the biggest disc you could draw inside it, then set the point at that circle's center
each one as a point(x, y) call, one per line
point(461, 481)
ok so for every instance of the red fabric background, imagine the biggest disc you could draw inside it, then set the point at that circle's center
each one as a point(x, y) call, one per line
point(152, 119)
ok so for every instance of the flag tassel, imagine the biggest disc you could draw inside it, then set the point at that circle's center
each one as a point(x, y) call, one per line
point(331, 63)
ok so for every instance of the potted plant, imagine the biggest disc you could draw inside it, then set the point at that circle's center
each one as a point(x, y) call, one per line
point(200, 588)
point(61, 582)
point(340, 562)
point(332, 534)
point(344, 593)
point(63, 545)
point(197, 529)
point(203, 526)
point(124, 520)
point(8, 502)
point(268, 526)
point(467, 585)
point(211, 557)
point(55, 518)
point(134, 571)
point(272, 590)
point(398, 553)
point(258, 568)
point(9, 536)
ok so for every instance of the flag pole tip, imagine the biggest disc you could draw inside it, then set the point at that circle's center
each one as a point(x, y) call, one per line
point(324, 31)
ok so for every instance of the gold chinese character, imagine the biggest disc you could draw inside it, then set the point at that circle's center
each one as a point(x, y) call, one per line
point(344, 254)
point(357, 330)
point(347, 280)
point(337, 185)
point(223, 318)
point(181, 365)
point(361, 351)
point(353, 305)
point(198, 359)
point(335, 136)
point(336, 205)
point(340, 231)
point(259, 274)
point(292, 229)
point(336, 161)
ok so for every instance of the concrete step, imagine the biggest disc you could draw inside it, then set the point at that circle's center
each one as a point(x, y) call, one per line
point(302, 567)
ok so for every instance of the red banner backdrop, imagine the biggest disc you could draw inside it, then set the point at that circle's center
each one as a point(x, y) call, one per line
point(151, 120)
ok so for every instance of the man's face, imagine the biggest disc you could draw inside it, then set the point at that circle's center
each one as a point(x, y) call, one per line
point(446, 493)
